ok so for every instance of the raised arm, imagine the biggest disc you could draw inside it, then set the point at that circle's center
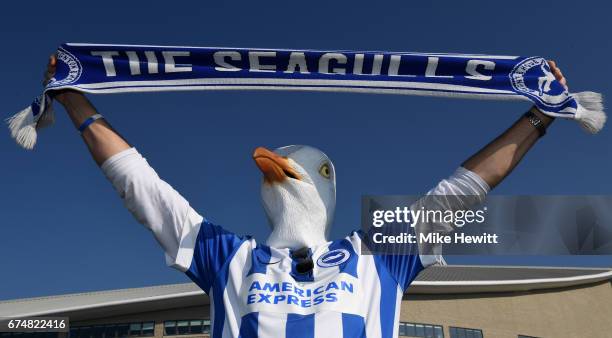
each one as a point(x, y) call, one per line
point(153, 202)
point(470, 184)
point(498, 158)
point(102, 141)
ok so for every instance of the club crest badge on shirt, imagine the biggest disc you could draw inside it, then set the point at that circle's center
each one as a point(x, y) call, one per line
point(333, 258)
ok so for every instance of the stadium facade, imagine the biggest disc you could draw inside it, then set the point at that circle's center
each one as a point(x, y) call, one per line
point(451, 301)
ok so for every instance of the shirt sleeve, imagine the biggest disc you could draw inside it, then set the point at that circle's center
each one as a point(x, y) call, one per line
point(462, 190)
point(191, 243)
point(403, 267)
point(156, 205)
point(212, 251)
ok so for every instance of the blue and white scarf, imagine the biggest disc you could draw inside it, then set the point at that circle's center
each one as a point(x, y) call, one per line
point(95, 68)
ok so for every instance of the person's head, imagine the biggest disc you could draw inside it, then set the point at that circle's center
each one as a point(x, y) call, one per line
point(298, 193)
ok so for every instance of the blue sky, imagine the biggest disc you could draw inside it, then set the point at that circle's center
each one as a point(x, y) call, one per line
point(63, 229)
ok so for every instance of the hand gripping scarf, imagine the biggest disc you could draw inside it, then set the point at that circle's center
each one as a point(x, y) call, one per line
point(95, 68)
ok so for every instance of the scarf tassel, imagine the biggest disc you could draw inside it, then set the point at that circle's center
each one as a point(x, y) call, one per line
point(24, 125)
point(590, 112)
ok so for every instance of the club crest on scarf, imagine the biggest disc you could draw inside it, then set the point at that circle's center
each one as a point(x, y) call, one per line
point(69, 69)
point(533, 78)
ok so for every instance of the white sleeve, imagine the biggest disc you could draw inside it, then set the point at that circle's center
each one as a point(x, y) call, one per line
point(461, 190)
point(156, 205)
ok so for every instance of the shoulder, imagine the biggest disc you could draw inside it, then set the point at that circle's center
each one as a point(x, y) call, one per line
point(209, 229)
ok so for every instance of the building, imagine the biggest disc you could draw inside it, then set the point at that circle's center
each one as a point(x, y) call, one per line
point(451, 301)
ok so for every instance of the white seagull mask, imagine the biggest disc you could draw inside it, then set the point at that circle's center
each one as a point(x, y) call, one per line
point(298, 193)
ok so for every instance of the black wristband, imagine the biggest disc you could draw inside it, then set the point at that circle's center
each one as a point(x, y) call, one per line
point(536, 122)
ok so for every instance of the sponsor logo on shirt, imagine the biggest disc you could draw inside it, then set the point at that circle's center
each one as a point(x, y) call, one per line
point(289, 294)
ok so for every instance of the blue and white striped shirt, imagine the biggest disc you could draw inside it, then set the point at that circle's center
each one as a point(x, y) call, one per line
point(255, 290)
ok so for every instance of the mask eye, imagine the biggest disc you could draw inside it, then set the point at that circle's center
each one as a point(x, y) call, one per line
point(324, 170)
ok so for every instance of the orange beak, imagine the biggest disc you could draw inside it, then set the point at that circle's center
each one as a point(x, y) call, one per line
point(274, 167)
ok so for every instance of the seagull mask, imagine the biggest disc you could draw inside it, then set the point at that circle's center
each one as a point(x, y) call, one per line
point(298, 193)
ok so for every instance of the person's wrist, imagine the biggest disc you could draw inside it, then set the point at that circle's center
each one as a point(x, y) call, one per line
point(547, 120)
point(65, 96)
point(538, 120)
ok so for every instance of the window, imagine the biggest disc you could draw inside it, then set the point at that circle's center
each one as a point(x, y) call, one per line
point(97, 331)
point(148, 329)
point(122, 330)
point(169, 328)
point(181, 327)
point(420, 330)
point(84, 332)
point(143, 329)
point(461, 332)
point(110, 331)
point(196, 326)
point(135, 329)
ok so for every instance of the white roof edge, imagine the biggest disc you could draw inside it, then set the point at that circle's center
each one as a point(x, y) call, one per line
point(441, 286)
point(113, 303)
point(551, 281)
point(93, 292)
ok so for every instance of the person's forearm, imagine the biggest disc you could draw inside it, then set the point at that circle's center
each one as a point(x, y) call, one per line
point(102, 141)
point(497, 159)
